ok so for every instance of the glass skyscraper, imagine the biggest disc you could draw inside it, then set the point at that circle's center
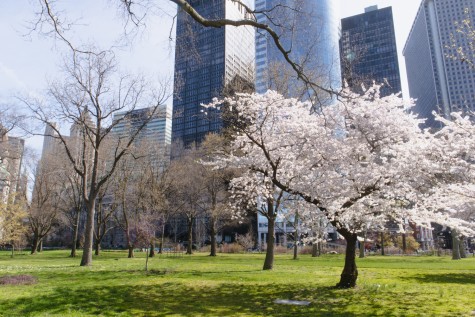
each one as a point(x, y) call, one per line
point(309, 30)
point(206, 59)
point(368, 50)
point(438, 82)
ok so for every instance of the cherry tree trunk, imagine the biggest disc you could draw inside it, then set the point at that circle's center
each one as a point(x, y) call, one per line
point(350, 272)
point(455, 246)
point(296, 238)
point(86, 259)
point(382, 243)
point(463, 254)
point(315, 249)
point(269, 260)
point(404, 244)
point(213, 236)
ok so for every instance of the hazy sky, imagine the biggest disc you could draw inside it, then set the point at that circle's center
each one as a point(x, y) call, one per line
point(27, 62)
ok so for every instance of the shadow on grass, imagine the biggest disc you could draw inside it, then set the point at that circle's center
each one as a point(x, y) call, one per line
point(452, 278)
point(166, 298)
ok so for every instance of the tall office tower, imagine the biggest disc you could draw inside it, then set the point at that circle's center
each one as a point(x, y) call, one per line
point(368, 50)
point(438, 82)
point(157, 132)
point(206, 60)
point(11, 157)
point(309, 30)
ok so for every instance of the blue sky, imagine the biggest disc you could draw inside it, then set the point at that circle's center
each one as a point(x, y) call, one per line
point(27, 62)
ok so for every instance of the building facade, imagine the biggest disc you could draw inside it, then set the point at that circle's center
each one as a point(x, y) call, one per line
point(11, 157)
point(309, 30)
point(437, 81)
point(206, 60)
point(368, 51)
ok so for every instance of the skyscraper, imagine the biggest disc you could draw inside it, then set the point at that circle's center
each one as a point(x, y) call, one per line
point(438, 82)
point(206, 59)
point(309, 30)
point(156, 132)
point(368, 50)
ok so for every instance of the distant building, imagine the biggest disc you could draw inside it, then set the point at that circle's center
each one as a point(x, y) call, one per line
point(11, 156)
point(206, 59)
point(368, 51)
point(309, 30)
point(438, 82)
point(156, 132)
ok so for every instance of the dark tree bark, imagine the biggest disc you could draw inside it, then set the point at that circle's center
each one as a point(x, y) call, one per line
point(75, 234)
point(463, 254)
point(404, 243)
point(189, 248)
point(382, 243)
point(35, 244)
point(269, 260)
point(86, 259)
point(296, 239)
point(131, 252)
point(213, 236)
point(97, 247)
point(315, 249)
point(152, 248)
point(162, 238)
point(350, 272)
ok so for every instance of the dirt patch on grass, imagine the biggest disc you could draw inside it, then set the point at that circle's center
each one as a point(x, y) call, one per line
point(18, 280)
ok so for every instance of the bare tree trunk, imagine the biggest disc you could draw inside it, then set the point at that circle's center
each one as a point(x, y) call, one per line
point(86, 259)
point(97, 247)
point(151, 253)
point(213, 234)
point(131, 252)
point(350, 272)
point(162, 238)
point(382, 243)
point(35, 244)
point(75, 234)
point(404, 243)
point(455, 246)
point(146, 261)
point(40, 249)
point(269, 260)
point(189, 249)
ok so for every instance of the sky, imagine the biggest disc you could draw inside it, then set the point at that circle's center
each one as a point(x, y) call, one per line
point(29, 60)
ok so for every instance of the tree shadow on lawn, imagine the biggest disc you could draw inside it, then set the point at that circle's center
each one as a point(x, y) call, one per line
point(179, 299)
point(450, 278)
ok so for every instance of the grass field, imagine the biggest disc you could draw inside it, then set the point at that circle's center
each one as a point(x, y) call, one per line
point(235, 285)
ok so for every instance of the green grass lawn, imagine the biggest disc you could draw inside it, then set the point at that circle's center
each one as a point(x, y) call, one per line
point(235, 285)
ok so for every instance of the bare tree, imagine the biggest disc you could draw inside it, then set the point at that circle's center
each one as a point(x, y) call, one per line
point(189, 191)
point(88, 97)
point(50, 21)
point(44, 210)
